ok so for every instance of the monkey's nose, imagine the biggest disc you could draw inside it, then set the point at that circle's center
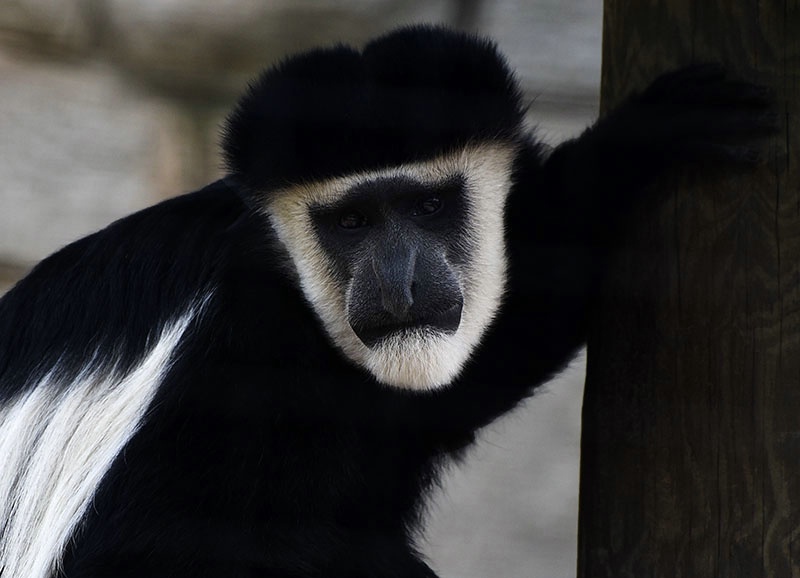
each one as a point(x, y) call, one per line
point(397, 300)
point(394, 271)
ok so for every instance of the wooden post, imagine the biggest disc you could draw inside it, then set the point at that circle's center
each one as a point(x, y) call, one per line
point(691, 421)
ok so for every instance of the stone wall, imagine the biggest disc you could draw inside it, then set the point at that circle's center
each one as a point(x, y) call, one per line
point(107, 106)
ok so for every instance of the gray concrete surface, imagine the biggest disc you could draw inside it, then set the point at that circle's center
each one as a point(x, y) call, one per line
point(510, 510)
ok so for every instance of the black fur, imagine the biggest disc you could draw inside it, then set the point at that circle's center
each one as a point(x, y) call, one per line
point(407, 96)
point(266, 453)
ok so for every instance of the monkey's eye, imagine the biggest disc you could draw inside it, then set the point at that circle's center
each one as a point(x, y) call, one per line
point(352, 220)
point(428, 206)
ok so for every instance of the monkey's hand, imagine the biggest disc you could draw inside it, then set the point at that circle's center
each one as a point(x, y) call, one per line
point(695, 114)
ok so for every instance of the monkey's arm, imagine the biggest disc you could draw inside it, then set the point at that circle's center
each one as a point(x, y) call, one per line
point(565, 213)
point(692, 114)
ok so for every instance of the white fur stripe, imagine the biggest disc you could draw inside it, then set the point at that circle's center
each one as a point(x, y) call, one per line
point(57, 443)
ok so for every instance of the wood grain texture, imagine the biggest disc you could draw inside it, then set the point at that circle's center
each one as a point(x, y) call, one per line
point(691, 424)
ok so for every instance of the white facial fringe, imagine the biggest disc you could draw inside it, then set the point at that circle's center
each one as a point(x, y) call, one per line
point(57, 442)
point(414, 360)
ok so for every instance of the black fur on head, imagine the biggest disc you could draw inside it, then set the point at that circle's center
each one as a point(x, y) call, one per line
point(408, 96)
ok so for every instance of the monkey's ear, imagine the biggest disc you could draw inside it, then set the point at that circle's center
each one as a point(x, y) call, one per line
point(409, 96)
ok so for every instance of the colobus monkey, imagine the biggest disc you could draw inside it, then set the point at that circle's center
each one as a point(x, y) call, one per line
point(262, 378)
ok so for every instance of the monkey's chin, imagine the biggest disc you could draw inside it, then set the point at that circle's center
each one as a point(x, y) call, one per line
point(417, 359)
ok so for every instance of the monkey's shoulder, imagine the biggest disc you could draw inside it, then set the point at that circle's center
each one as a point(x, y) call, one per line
point(110, 293)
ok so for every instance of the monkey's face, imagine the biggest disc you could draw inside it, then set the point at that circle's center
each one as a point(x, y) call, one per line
point(404, 266)
point(398, 246)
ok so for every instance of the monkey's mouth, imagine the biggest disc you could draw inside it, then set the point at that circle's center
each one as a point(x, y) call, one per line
point(375, 331)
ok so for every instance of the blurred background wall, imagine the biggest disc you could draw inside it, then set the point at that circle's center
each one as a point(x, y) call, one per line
point(107, 106)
